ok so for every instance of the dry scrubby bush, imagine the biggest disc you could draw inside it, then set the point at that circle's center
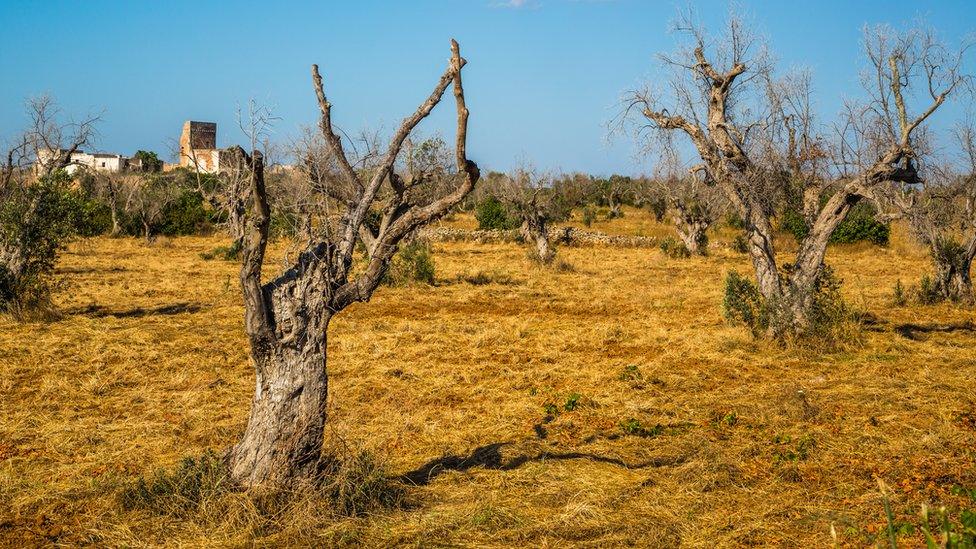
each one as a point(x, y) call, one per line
point(676, 249)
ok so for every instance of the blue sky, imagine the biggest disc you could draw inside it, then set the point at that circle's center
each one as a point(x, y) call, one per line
point(543, 78)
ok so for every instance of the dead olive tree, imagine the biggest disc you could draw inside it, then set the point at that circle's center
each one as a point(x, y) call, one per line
point(287, 318)
point(695, 205)
point(533, 199)
point(146, 198)
point(941, 214)
point(726, 104)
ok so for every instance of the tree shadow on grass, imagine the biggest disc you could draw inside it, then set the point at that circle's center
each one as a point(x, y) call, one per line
point(98, 311)
point(915, 332)
point(490, 456)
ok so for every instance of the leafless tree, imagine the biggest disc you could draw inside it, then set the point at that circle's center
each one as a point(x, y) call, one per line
point(941, 212)
point(533, 199)
point(726, 103)
point(695, 205)
point(146, 199)
point(115, 190)
point(287, 318)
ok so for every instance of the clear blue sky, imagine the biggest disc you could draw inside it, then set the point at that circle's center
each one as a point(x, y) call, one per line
point(543, 78)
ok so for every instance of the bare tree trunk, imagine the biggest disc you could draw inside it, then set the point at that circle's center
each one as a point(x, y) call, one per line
point(283, 439)
point(116, 227)
point(537, 231)
point(693, 237)
point(147, 231)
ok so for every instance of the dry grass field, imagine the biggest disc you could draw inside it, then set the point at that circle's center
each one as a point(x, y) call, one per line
point(605, 405)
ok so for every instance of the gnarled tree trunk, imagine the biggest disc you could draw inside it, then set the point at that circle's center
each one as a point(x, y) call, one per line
point(952, 265)
point(287, 319)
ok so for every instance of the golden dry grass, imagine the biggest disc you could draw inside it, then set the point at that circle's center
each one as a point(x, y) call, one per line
point(149, 364)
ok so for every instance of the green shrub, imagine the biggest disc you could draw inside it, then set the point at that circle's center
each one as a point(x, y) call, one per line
point(927, 292)
point(360, 483)
point(792, 221)
point(92, 217)
point(224, 253)
point(899, 296)
point(180, 491)
point(491, 214)
point(827, 317)
point(659, 207)
point(187, 215)
point(860, 225)
point(744, 304)
point(674, 248)
point(414, 262)
point(37, 221)
point(734, 221)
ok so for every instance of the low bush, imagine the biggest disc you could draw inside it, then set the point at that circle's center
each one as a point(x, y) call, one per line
point(860, 225)
point(674, 249)
point(180, 491)
point(224, 253)
point(659, 207)
point(829, 317)
point(740, 244)
point(589, 215)
point(491, 214)
point(413, 263)
point(187, 215)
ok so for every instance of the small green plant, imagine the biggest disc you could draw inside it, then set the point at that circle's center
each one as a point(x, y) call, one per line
point(589, 215)
point(572, 402)
point(631, 373)
point(729, 419)
point(359, 483)
point(633, 427)
point(899, 297)
point(927, 292)
point(550, 409)
point(413, 263)
point(224, 253)
point(941, 528)
point(744, 304)
point(792, 450)
point(674, 249)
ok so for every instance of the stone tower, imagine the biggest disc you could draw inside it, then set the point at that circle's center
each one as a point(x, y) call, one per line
point(198, 146)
